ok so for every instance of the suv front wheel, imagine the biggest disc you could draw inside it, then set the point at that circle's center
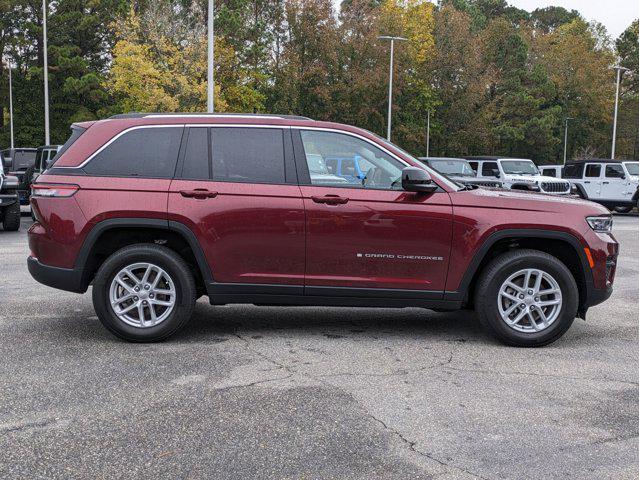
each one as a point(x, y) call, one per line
point(144, 293)
point(527, 298)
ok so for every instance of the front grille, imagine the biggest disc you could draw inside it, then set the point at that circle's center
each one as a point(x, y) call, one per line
point(555, 187)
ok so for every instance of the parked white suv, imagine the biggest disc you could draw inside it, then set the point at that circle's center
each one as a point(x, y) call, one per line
point(612, 183)
point(517, 174)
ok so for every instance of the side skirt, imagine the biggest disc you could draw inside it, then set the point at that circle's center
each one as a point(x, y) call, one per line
point(279, 295)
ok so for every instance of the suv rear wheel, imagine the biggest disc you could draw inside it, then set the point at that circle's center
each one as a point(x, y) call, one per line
point(526, 298)
point(144, 293)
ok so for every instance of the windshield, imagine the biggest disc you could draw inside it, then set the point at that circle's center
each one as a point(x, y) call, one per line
point(453, 167)
point(633, 168)
point(519, 167)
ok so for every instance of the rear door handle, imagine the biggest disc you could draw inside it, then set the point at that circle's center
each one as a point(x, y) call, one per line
point(330, 200)
point(606, 183)
point(198, 193)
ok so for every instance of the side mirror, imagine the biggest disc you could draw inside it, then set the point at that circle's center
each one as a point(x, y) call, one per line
point(417, 180)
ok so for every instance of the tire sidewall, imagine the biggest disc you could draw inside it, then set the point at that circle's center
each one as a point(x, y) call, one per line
point(569, 294)
point(183, 289)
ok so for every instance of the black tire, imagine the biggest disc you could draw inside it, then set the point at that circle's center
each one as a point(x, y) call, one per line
point(11, 217)
point(164, 258)
point(497, 272)
point(626, 209)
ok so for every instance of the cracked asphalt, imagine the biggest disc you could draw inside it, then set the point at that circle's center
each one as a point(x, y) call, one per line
point(313, 393)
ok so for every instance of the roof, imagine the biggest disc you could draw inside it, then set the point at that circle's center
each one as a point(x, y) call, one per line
point(597, 160)
point(222, 114)
point(494, 158)
point(442, 158)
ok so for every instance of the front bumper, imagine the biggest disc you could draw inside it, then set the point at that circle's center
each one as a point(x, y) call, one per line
point(68, 279)
point(8, 199)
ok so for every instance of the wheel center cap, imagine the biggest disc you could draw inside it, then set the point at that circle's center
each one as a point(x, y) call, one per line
point(529, 300)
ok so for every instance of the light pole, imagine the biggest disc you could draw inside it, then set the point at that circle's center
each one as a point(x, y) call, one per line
point(620, 70)
point(47, 139)
point(566, 139)
point(210, 87)
point(10, 103)
point(390, 80)
point(428, 135)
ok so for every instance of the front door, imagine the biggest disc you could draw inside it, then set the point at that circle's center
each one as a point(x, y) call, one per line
point(370, 234)
point(234, 190)
point(615, 185)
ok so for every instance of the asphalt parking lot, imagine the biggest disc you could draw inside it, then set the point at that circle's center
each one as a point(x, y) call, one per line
point(313, 393)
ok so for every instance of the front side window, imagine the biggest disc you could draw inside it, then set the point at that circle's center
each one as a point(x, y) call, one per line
point(248, 155)
point(490, 169)
point(350, 162)
point(549, 172)
point(519, 167)
point(614, 171)
point(142, 152)
point(593, 170)
point(573, 171)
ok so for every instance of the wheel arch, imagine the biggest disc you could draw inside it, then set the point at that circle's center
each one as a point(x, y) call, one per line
point(110, 235)
point(563, 245)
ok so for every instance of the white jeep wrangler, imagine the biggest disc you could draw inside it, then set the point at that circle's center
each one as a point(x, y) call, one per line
point(518, 174)
point(612, 183)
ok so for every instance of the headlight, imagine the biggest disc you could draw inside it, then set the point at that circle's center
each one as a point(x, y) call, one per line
point(602, 223)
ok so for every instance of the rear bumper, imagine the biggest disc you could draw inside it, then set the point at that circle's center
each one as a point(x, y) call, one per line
point(68, 279)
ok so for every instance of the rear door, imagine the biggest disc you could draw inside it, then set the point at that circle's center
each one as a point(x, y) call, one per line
point(369, 237)
point(236, 190)
point(592, 180)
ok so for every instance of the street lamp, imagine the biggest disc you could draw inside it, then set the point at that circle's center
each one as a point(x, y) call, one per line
point(390, 79)
point(10, 103)
point(620, 70)
point(47, 140)
point(210, 87)
point(566, 139)
point(428, 135)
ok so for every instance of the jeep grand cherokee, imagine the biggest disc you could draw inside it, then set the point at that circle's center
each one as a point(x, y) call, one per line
point(156, 210)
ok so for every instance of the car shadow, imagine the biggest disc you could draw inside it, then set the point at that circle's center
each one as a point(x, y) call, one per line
point(330, 322)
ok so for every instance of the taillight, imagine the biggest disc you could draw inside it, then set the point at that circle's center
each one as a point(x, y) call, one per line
point(53, 190)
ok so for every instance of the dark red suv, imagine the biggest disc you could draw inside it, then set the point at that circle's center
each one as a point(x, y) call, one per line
point(157, 210)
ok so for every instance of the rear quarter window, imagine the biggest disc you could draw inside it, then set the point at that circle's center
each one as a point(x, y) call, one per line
point(142, 152)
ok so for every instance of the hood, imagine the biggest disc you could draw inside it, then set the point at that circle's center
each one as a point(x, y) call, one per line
point(525, 201)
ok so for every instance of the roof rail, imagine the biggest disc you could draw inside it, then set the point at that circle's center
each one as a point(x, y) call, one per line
point(224, 114)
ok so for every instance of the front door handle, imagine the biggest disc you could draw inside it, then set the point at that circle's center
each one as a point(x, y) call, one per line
point(330, 200)
point(198, 193)
point(606, 183)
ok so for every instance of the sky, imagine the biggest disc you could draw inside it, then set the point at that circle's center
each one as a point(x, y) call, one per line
point(616, 15)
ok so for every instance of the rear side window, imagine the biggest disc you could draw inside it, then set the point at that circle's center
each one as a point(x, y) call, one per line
point(489, 169)
point(76, 132)
point(573, 171)
point(196, 158)
point(248, 155)
point(143, 152)
point(593, 170)
point(549, 172)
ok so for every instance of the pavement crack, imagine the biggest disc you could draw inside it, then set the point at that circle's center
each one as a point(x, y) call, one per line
point(413, 447)
point(253, 384)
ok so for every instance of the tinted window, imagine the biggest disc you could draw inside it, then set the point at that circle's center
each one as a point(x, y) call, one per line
point(76, 132)
point(351, 162)
point(249, 155)
point(144, 152)
point(23, 159)
point(549, 172)
point(593, 170)
point(196, 159)
point(614, 171)
point(489, 169)
point(474, 165)
point(572, 171)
